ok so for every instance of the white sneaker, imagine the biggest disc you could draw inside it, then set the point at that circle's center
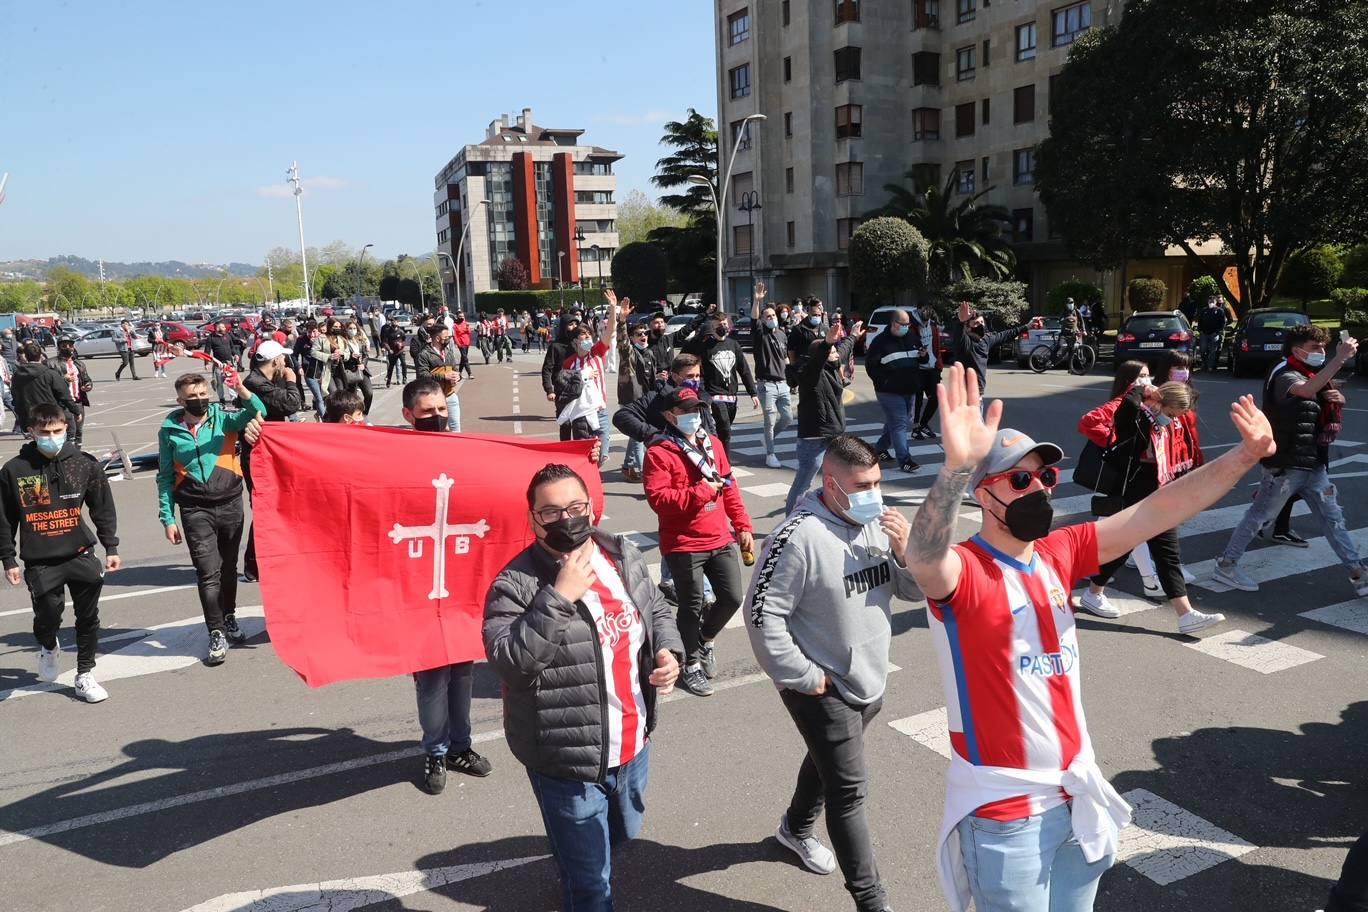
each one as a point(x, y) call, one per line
point(773, 461)
point(1360, 585)
point(1152, 587)
point(816, 857)
point(1196, 620)
point(1130, 562)
point(47, 663)
point(88, 689)
point(1188, 576)
point(1098, 604)
point(1234, 577)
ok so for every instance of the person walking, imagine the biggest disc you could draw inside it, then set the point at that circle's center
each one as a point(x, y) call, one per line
point(438, 360)
point(35, 382)
point(460, 337)
point(724, 363)
point(970, 341)
point(44, 492)
point(124, 345)
point(312, 353)
point(894, 363)
point(637, 370)
point(393, 340)
point(821, 407)
point(272, 381)
point(79, 384)
point(924, 403)
point(503, 344)
point(1211, 323)
point(769, 347)
point(219, 346)
point(584, 645)
point(810, 327)
point(581, 390)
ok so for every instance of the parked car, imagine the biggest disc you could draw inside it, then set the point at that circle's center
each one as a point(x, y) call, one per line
point(96, 343)
point(1034, 336)
point(1258, 340)
point(174, 332)
point(1145, 335)
point(878, 322)
point(742, 329)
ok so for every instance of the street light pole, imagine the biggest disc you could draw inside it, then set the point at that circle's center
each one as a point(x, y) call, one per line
point(270, 279)
point(560, 272)
point(460, 250)
point(579, 250)
point(360, 259)
point(720, 200)
point(437, 261)
point(598, 263)
point(750, 201)
point(292, 177)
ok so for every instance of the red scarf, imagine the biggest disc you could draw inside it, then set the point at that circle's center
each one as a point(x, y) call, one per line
point(1330, 421)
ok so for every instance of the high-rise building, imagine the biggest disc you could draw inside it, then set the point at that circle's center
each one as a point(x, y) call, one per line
point(531, 192)
point(858, 94)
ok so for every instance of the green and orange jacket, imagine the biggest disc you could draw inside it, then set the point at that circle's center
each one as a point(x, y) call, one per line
point(201, 469)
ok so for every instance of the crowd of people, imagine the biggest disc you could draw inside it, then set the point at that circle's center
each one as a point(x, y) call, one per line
point(585, 643)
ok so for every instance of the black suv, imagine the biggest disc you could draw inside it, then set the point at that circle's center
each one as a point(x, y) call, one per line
point(1146, 334)
point(1258, 342)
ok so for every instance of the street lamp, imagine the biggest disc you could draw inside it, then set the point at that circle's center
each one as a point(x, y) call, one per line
point(360, 259)
point(292, 177)
point(750, 201)
point(598, 263)
point(719, 199)
point(560, 272)
point(579, 250)
point(418, 272)
point(460, 250)
point(437, 261)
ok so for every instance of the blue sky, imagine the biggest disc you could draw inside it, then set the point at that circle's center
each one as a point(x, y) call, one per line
point(154, 130)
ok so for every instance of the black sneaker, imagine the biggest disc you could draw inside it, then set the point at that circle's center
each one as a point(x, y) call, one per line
point(667, 589)
point(218, 648)
point(1290, 538)
point(696, 682)
point(927, 433)
point(470, 763)
point(247, 577)
point(707, 660)
point(884, 456)
point(909, 465)
point(434, 774)
point(231, 628)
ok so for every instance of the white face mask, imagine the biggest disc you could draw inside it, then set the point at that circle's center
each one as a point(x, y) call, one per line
point(865, 506)
point(689, 423)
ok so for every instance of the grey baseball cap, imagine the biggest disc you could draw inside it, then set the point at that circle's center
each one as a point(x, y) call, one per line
point(1009, 448)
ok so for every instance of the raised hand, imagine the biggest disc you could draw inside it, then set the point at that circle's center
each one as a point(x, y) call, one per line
point(1346, 350)
point(610, 296)
point(966, 432)
point(834, 332)
point(1255, 431)
point(760, 290)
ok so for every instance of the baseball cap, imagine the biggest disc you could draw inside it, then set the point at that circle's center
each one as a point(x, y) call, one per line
point(269, 350)
point(1009, 448)
point(684, 398)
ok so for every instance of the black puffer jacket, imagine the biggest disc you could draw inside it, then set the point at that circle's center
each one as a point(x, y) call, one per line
point(1294, 421)
point(821, 412)
point(546, 651)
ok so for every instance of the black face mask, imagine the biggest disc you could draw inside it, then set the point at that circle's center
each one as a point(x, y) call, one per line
point(979, 331)
point(1028, 517)
point(430, 423)
point(567, 533)
point(197, 408)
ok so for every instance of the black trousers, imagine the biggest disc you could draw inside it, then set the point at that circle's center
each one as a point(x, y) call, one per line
point(833, 776)
point(464, 366)
point(396, 364)
point(76, 427)
point(367, 394)
point(1350, 894)
point(925, 403)
point(1163, 548)
point(83, 575)
point(213, 535)
point(723, 569)
point(724, 413)
point(126, 361)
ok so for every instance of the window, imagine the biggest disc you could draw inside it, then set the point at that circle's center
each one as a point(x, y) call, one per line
point(785, 8)
point(791, 234)
point(964, 63)
point(1023, 224)
point(964, 119)
point(964, 176)
point(788, 69)
point(443, 208)
point(594, 197)
point(1069, 22)
point(926, 68)
point(849, 179)
point(844, 229)
point(738, 27)
point(926, 123)
point(740, 81)
point(444, 235)
point(1023, 104)
point(788, 123)
point(848, 121)
point(847, 63)
point(925, 14)
point(598, 169)
point(985, 53)
point(1026, 41)
point(788, 180)
point(986, 170)
point(740, 134)
point(847, 11)
point(596, 226)
point(965, 10)
point(1023, 167)
point(985, 111)
point(741, 240)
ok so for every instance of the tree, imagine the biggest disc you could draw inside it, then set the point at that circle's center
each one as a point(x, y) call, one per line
point(1203, 289)
point(20, 297)
point(389, 288)
point(1082, 293)
point(408, 294)
point(640, 272)
point(965, 238)
point(1007, 299)
point(72, 286)
point(511, 275)
point(638, 216)
point(1241, 121)
point(887, 255)
point(1311, 273)
point(1146, 294)
point(1355, 273)
point(690, 249)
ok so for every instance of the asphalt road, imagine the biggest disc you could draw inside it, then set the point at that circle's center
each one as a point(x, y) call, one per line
point(238, 788)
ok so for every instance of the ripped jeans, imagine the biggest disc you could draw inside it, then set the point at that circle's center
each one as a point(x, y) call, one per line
point(1275, 488)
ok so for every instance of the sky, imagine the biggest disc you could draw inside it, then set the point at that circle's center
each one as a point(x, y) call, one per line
point(157, 130)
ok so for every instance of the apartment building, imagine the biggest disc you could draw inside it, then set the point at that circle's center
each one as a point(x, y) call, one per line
point(536, 193)
point(857, 94)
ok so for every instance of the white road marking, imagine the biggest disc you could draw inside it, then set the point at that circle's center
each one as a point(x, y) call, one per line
point(1351, 616)
point(774, 489)
point(1268, 564)
point(930, 729)
point(1166, 843)
point(111, 598)
point(1249, 650)
point(1227, 518)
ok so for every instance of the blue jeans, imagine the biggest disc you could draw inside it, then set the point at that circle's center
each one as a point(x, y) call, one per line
point(810, 453)
point(604, 429)
point(454, 413)
point(897, 410)
point(1211, 350)
point(1029, 865)
point(444, 707)
point(316, 389)
point(1276, 488)
point(636, 455)
point(777, 408)
point(585, 821)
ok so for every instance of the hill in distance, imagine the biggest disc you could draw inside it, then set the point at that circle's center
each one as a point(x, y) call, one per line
point(171, 269)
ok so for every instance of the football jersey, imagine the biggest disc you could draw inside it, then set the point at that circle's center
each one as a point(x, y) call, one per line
point(1008, 655)
point(621, 636)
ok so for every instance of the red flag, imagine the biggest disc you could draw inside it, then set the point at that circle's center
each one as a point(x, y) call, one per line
point(376, 546)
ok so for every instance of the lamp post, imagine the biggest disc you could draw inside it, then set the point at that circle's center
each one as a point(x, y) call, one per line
point(579, 249)
point(460, 250)
point(560, 272)
point(360, 261)
point(720, 199)
point(418, 272)
point(750, 201)
point(437, 261)
point(598, 263)
point(270, 281)
point(292, 177)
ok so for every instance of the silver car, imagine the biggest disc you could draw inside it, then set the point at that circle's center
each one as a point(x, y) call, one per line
point(95, 343)
point(1033, 337)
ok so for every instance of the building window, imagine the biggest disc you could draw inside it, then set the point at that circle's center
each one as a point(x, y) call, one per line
point(443, 208)
point(985, 112)
point(788, 123)
point(598, 169)
point(738, 26)
point(791, 234)
point(1069, 22)
point(740, 81)
point(788, 69)
point(987, 161)
point(444, 235)
point(1023, 224)
point(844, 229)
point(926, 123)
point(847, 11)
point(1023, 167)
point(965, 10)
point(848, 121)
point(1023, 104)
point(740, 134)
point(785, 8)
point(964, 119)
point(964, 176)
point(926, 68)
point(964, 63)
point(850, 179)
point(594, 197)
point(925, 14)
point(596, 226)
point(741, 240)
point(985, 53)
point(788, 180)
point(847, 63)
point(1026, 41)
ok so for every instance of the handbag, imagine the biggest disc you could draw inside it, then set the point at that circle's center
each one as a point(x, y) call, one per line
point(1091, 463)
point(1107, 502)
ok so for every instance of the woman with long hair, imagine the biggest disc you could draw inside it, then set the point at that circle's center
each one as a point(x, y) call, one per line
point(352, 369)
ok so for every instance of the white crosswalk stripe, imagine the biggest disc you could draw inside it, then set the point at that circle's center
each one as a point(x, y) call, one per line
point(1249, 650)
point(1351, 616)
point(1268, 564)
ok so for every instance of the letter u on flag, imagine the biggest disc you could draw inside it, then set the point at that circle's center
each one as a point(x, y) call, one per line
point(376, 546)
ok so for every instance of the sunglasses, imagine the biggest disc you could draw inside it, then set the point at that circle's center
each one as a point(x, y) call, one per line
point(1020, 479)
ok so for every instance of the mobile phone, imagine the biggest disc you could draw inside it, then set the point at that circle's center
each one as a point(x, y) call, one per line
point(1344, 335)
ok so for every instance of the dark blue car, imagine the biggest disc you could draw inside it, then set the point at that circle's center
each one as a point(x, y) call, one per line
point(1146, 335)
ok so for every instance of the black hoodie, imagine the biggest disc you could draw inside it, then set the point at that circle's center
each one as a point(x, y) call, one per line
point(35, 382)
point(723, 362)
point(42, 501)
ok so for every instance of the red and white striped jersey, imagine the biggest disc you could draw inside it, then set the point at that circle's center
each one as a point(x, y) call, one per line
point(594, 359)
point(1008, 655)
point(622, 636)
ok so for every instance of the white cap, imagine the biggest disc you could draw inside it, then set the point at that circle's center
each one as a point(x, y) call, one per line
point(269, 350)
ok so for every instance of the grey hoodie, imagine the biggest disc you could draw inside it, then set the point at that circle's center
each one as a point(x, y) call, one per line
point(819, 604)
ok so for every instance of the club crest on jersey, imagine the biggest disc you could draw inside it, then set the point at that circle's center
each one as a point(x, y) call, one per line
point(1048, 664)
point(1059, 600)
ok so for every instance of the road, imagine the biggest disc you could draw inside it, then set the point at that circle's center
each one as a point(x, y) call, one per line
point(238, 788)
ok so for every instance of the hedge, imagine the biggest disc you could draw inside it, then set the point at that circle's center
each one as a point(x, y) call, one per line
point(535, 299)
point(1146, 294)
point(1082, 293)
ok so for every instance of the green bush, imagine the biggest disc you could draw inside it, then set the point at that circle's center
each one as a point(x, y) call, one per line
point(1006, 299)
point(1311, 273)
point(1146, 294)
point(533, 299)
point(1349, 300)
point(1082, 293)
point(887, 255)
point(1203, 289)
point(1355, 274)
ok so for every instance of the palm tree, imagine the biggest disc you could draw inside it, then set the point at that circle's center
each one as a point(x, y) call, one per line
point(966, 238)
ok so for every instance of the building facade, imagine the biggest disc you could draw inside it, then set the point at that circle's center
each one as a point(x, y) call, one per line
point(535, 193)
point(858, 94)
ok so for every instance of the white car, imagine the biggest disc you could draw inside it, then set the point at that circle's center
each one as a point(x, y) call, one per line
point(96, 343)
point(878, 322)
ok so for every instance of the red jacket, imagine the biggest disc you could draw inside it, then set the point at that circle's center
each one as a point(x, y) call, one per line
point(1099, 425)
point(460, 334)
point(677, 493)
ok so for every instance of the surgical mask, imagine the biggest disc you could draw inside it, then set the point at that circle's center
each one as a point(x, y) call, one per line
point(430, 423)
point(865, 506)
point(898, 330)
point(689, 423)
point(197, 407)
point(1180, 376)
point(814, 320)
point(585, 345)
point(771, 323)
point(1143, 381)
point(1160, 419)
point(1314, 359)
point(567, 533)
point(51, 446)
point(351, 331)
point(1028, 518)
point(695, 385)
point(640, 346)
